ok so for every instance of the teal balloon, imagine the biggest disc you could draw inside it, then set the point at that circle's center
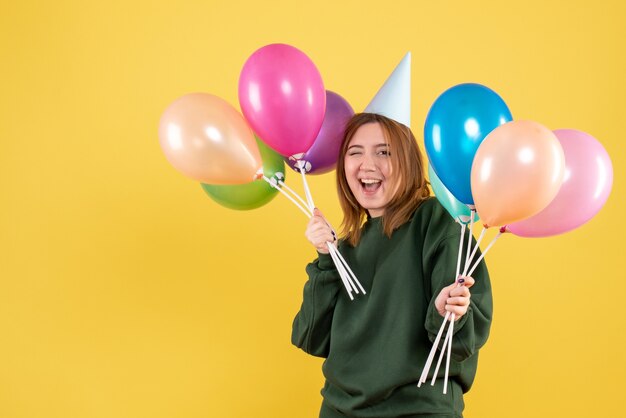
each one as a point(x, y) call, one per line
point(250, 195)
point(458, 210)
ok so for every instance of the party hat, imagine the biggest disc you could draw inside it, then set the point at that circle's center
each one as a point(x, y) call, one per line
point(393, 100)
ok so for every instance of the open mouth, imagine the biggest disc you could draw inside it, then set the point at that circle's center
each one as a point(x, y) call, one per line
point(370, 185)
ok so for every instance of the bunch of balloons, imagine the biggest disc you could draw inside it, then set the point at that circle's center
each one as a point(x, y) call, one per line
point(516, 175)
point(284, 103)
point(287, 114)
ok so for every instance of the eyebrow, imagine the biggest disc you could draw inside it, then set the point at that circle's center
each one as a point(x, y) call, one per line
point(376, 146)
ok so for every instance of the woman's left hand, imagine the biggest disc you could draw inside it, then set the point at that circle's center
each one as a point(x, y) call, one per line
point(455, 298)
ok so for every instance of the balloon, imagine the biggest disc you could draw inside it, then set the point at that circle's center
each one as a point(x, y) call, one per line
point(456, 125)
point(459, 211)
point(322, 156)
point(517, 171)
point(585, 189)
point(251, 195)
point(206, 139)
point(282, 96)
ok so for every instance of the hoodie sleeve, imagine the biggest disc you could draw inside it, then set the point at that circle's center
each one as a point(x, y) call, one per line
point(312, 324)
point(472, 330)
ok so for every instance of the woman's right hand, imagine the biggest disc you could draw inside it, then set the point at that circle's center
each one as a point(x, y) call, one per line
point(319, 232)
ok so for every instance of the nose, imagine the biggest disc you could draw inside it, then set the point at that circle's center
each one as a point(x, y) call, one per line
point(367, 163)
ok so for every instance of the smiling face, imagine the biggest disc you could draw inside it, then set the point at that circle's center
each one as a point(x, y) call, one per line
point(367, 166)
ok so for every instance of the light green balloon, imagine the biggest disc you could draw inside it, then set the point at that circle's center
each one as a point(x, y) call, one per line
point(250, 195)
point(459, 211)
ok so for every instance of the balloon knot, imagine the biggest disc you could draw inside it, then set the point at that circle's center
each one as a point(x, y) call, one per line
point(296, 157)
point(303, 165)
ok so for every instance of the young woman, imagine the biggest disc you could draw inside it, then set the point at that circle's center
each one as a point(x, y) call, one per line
point(402, 246)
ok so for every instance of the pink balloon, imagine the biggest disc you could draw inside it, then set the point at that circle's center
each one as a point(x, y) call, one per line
point(282, 96)
point(585, 188)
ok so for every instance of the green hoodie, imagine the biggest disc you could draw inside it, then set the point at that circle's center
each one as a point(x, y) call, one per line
point(376, 345)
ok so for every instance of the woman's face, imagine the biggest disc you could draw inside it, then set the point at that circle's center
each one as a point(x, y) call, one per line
point(368, 169)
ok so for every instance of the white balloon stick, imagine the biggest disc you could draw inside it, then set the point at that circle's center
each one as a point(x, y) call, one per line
point(458, 258)
point(274, 185)
point(441, 354)
point(350, 274)
point(433, 350)
point(343, 260)
point(451, 332)
point(345, 272)
point(307, 192)
point(296, 195)
point(493, 241)
point(341, 273)
point(469, 238)
point(469, 260)
point(340, 266)
point(449, 342)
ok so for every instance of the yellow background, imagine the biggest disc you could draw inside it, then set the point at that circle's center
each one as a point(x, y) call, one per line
point(126, 292)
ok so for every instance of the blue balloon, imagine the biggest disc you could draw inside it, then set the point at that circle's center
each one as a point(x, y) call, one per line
point(456, 125)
